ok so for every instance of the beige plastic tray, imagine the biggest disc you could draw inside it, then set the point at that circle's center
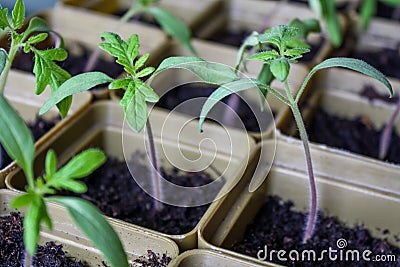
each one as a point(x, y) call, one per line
point(100, 126)
point(203, 258)
point(347, 201)
point(136, 241)
point(20, 91)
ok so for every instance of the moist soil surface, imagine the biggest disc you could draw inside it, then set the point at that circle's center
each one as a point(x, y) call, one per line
point(38, 128)
point(113, 190)
point(387, 61)
point(357, 135)
point(278, 227)
point(12, 247)
point(187, 92)
point(152, 260)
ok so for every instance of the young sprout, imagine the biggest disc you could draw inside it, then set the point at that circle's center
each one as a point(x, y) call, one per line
point(47, 72)
point(17, 141)
point(139, 93)
point(277, 58)
point(171, 24)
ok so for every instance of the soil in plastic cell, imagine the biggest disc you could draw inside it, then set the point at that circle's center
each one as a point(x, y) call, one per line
point(387, 11)
point(38, 128)
point(118, 195)
point(386, 61)
point(371, 93)
point(278, 227)
point(358, 135)
point(12, 252)
point(192, 91)
point(152, 259)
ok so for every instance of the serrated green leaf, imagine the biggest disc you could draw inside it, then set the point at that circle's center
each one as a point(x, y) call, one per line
point(125, 52)
point(37, 38)
point(145, 72)
point(21, 201)
point(46, 71)
point(82, 164)
point(265, 55)
point(141, 61)
point(147, 91)
point(91, 222)
point(76, 84)
point(3, 59)
point(51, 163)
point(293, 52)
point(118, 84)
point(305, 27)
point(349, 63)
point(296, 43)
point(173, 26)
point(128, 95)
point(36, 25)
point(136, 111)
point(280, 69)
point(213, 73)
point(16, 137)
point(4, 23)
point(18, 14)
point(223, 91)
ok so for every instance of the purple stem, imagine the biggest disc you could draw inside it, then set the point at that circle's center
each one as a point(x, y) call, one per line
point(387, 133)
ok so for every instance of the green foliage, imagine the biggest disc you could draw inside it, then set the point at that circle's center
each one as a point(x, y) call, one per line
point(47, 72)
point(95, 226)
point(368, 10)
point(137, 93)
point(76, 84)
point(326, 9)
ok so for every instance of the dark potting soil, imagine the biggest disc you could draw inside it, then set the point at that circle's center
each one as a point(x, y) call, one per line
point(190, 91)
point(74, 64)
point(113, 190)
point(152, 260)
point(387, 61)
point(387, 11)
point(278, 227)
point(12, 247)
point(371, 93)
point(357, 135)
point(38, 128)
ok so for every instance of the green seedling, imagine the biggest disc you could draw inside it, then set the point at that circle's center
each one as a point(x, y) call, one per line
point(278, 58)
point(170, 24)
point(368, 10)
point(47, 72)
point(18, 142)
point(137, 92)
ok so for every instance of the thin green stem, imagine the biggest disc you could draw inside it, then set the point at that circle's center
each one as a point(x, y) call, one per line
point(11, 55)
point(312, 217)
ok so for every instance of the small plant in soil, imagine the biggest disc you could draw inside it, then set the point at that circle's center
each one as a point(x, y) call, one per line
point(17, 141)
point(277, 58)
point(138, 93)
point(171, 24)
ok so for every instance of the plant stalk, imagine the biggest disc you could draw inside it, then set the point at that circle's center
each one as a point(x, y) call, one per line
point(7, 67)
point(387, 133)
point(91, 63)
point(312, 217)
point(155, 168)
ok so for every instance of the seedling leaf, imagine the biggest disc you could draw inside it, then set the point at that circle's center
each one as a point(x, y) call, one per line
point(18, 14)
point(173, 26)
point(209, 72)
point(76, 84)
point(16, 138)
point(3, 59)
point(96, 228)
